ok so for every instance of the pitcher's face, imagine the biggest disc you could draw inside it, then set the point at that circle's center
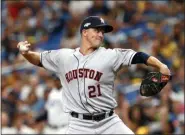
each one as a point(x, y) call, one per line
point(95, 36)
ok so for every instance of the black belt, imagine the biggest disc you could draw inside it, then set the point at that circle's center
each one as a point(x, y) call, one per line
point(96, 117)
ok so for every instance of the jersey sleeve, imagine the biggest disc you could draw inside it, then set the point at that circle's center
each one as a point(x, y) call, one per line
point(122, 57)
point(50, 60)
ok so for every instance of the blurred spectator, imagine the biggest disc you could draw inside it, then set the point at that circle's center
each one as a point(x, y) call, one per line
point(181, 45)
point(99, 8)
point(146, 44)
point(116, 38)
point(14, 7)
point(9, 104)
point(167, 50)
point(5, 129)
point(35, 84)
point(129, 11)
point(35, 104)
point(79, 7)
point(135, 116)
point(22, 127)
point(70, 39)
point(177, 32)
point(54, 106)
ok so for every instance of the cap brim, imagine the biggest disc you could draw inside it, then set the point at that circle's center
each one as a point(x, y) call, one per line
point(107, 28)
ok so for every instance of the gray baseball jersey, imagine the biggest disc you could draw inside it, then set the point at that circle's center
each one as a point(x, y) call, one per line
point(88, 81)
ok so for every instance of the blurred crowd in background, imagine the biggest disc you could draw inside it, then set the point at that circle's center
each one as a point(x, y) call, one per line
point(154, 27)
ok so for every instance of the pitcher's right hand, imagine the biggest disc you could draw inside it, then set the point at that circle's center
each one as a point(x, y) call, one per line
point(23, 46)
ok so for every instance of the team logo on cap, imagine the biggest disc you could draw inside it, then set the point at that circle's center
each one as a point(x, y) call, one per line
point(102, 21)
point(87, 24)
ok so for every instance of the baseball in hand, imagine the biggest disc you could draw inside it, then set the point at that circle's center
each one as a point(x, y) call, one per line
point(23, 48)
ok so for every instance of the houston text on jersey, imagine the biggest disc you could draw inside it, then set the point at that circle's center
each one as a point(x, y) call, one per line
point(83, 72)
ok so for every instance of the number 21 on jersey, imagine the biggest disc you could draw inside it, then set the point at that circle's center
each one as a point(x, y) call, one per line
point(94, 91)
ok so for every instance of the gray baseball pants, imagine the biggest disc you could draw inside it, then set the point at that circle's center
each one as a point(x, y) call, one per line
point(110, 125)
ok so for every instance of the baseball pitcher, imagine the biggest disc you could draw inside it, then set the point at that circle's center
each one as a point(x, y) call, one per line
point(87, 75)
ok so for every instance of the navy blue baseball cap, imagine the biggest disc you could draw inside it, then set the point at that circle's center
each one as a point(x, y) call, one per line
point(95, 22)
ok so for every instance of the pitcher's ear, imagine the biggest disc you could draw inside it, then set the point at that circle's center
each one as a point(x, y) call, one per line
point(84, 32)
